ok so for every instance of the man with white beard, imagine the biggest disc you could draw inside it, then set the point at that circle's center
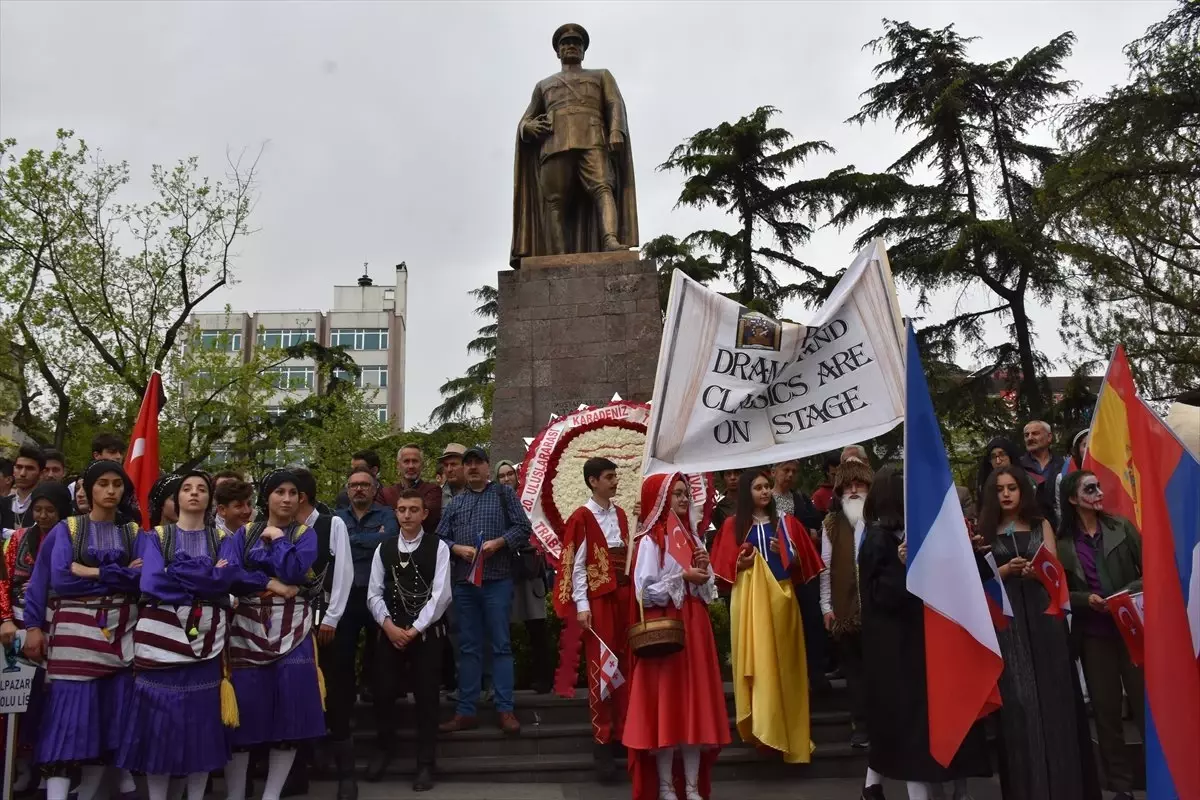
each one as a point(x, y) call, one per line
point(841, 534)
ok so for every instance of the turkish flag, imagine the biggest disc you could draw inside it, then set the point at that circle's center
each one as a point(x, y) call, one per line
point(141, 460)
point(1049, 572)
point(1126, 610)
point(679, 543)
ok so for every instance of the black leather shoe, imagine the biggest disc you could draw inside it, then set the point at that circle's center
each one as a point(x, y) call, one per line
point(343, 763)
point(424, 780)
point(873, 793)
point(379, 764)
point(606, 767)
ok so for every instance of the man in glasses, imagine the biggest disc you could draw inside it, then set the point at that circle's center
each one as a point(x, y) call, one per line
point(367, 526)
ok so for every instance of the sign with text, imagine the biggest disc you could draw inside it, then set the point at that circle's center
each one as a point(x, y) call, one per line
point(736, 388)
point(16, 680)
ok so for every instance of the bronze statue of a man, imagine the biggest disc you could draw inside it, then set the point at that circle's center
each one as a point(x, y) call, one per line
point(573, 182)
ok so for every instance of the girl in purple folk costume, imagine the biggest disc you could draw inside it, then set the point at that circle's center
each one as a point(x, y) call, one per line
point(50, 504)
point(175, 722)
point(88, 572)
point(275, 674)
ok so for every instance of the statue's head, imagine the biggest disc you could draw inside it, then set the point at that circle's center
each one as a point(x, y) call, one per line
point(570, 42)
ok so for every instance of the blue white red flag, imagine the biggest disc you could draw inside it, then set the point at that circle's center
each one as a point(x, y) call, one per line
point(962, 654)
point(997, 598)
point(475, 575)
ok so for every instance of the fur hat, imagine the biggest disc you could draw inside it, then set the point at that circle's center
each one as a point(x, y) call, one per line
point(852, 469)
point(1184, 419)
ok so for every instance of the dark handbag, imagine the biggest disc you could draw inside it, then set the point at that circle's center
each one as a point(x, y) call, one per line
point(528, 564)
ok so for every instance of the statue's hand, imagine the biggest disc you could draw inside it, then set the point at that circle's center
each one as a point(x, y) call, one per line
point(538, 127)
point(616, 141)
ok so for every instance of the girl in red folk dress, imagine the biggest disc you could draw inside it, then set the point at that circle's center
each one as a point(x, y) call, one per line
point(677, 721)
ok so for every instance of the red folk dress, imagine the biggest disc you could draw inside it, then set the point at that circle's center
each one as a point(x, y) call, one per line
point(678, 700)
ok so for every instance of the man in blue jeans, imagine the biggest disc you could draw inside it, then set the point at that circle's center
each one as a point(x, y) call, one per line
point(489, 511)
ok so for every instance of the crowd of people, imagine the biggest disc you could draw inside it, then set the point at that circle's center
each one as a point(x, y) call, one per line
point(235, 630)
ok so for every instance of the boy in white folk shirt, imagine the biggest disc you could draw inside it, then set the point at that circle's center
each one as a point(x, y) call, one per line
point(408, 594)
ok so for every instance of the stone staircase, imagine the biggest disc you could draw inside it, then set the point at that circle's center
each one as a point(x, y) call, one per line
point(555, 744)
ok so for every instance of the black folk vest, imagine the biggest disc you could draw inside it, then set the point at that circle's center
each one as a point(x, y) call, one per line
point(415, 580)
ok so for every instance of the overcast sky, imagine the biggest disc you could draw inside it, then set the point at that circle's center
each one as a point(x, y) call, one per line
point(389, 126)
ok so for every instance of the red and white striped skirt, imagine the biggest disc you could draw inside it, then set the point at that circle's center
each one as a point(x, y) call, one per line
point(266, 628)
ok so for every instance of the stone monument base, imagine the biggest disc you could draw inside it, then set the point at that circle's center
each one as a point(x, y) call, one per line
point(573, 329)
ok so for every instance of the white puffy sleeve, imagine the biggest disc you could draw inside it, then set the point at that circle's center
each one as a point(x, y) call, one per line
point(656, 585)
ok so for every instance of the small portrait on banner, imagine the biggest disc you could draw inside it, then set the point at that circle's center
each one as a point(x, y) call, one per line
point(757, 331)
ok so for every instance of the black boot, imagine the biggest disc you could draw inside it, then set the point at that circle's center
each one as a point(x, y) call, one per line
point(343, 759)
point(423, 782)
point(380, 762)
point(606, 766)
point(297, 779)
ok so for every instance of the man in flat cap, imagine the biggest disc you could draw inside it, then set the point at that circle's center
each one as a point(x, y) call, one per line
point(573, 182)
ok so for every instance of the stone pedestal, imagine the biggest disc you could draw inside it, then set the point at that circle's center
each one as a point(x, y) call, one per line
point(572, 329)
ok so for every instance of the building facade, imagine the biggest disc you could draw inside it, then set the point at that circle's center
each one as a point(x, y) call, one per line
point(369, 320)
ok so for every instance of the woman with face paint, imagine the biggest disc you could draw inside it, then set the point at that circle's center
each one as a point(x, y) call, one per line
point(1044, 738)
point(175, 722)
point(50, 503)
point(677, 721)
point(1102, 555)
point(92, 571)
point(763, 555)
point(271, 650)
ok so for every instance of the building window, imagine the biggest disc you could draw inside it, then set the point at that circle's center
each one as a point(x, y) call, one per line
point(382, 412)
point(221, 340)
point(294, 377)
point(359, 338)
point(218, 454)
point(286, 337)
point(368, 377)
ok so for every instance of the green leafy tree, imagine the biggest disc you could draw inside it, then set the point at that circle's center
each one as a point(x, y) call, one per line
point(976, 225)
point(669, 254)
point(744, 169)
point(1126, 206)
point(95, 292)
point(473, 392)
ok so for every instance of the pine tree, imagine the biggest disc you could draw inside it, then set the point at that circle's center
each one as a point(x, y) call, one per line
point(743, 168)
point(977, 224)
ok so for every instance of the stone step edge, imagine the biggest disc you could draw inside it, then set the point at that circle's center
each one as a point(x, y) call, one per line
point(583, 761)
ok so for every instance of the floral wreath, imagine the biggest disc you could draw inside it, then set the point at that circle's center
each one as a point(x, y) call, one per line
point(574, 437)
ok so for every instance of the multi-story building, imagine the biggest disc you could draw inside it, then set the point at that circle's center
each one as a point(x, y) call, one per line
point(369, 320)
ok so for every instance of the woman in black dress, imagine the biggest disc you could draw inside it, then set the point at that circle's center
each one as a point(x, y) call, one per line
point(1044, 743)
point(893, 641)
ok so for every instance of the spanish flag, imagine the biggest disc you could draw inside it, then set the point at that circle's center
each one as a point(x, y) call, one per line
point(1110, 446)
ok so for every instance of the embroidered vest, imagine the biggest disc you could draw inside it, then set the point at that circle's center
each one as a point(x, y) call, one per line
point(406, 589)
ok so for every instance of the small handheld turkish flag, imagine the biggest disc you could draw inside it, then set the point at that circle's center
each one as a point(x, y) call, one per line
point(1126, 610)
point(1049, 573)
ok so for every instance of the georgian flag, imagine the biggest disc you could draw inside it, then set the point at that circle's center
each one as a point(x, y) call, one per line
point(610, 676)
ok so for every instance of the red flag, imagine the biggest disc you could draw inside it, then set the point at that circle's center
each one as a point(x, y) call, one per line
point(679, 542)
point(141, 460)
point(475, 575)
point(1126, 610)
point(1050, 574)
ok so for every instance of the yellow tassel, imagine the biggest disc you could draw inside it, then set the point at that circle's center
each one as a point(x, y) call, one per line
point(229, 705)
point(320, 672)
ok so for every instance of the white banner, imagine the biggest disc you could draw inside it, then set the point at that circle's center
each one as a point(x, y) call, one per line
point(736, 388)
